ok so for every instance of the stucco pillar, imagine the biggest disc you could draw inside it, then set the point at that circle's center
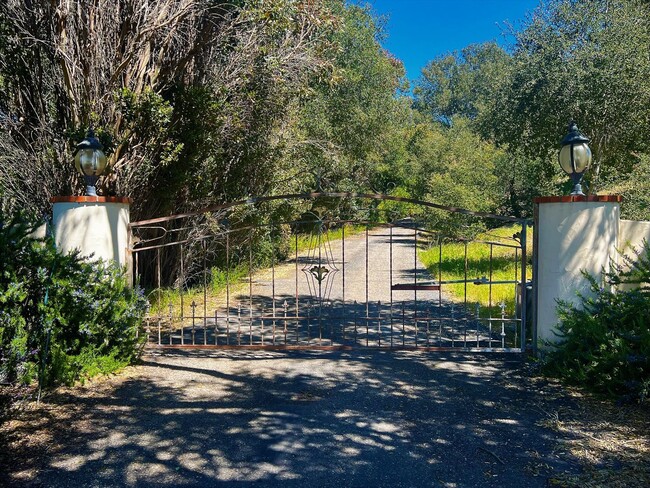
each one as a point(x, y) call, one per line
point(572, 234)
point(97, 226)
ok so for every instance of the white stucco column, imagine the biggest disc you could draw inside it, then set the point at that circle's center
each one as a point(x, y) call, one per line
point(572, 234)
point(97, 226)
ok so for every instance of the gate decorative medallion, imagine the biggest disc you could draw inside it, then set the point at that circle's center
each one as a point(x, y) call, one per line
point(366, 287)
point(320, 266)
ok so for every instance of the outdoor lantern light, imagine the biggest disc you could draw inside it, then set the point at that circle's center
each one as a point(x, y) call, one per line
point(90, 161)
point(575, 156)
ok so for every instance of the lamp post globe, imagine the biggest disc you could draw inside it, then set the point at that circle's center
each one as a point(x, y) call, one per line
point(90, 161)
point(575, 157)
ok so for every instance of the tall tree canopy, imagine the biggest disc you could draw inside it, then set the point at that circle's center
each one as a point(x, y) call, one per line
point(460, 83)
point(203, 101)
point(185, 94)
point(582, 60)
point(578, 60)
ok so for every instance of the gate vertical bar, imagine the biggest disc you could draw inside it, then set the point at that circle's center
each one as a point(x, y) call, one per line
point(307, 313)
point(440, 292)
point(489, 315)
point(250, 293)
point(158, 280)
point(490, 283)
point(517, 277)
point(182, 311)
point(465, 301)
point(367, 310)
point(415, 282)
point(285, 310)
point(158, 277)
point(193, 323)
point(453, 324)
point(535, 274)
point(320, 285)
point(159, 328)
point(273, 329)
point(216, 327)
point(503, 325)
point(205, 294)
point(182, 282)
point(273, 311)
point(227, 287)
point(297, 300)
point(262, 330)
point(524, 231)
point(343, 316)
point(390, 281)
point(171, 321)
point(239, 323)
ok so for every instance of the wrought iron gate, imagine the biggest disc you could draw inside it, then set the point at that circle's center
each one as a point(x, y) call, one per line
point(362, 285)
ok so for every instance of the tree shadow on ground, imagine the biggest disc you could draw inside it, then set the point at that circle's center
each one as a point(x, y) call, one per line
point(304, 320)
point(364, 418)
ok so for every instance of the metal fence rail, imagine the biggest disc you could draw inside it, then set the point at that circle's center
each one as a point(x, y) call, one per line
point(366, 290)
point(337, 325)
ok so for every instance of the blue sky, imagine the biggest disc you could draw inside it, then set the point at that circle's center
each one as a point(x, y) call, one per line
point(420, 30)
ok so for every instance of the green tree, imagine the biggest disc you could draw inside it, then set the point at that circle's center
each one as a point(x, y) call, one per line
point(460, 83)
point(345, 118)
point(459, 171)
point(462, 86)
point(634, 187)
point(585, 61)
point(68, 65)
point(449, 165)
point(186, 95)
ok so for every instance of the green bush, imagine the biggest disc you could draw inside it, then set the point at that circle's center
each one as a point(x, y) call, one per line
point(62, 318)
point(605, 342)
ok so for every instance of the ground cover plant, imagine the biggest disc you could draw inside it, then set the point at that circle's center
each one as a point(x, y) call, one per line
point(604, 341)
point(62, 318)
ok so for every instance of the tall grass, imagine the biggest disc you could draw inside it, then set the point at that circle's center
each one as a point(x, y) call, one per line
point(217, 282)
point(492, 256)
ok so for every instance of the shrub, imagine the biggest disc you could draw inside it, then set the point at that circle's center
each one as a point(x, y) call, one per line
point(61, 317)
point(605, 342)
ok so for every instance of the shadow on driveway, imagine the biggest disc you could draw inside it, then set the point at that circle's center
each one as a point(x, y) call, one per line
point(357, 419)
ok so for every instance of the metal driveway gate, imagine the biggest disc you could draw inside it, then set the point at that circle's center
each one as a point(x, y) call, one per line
point(340, 283)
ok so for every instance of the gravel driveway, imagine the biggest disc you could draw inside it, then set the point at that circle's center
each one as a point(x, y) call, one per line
point(365, 418)
point(257, 418)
